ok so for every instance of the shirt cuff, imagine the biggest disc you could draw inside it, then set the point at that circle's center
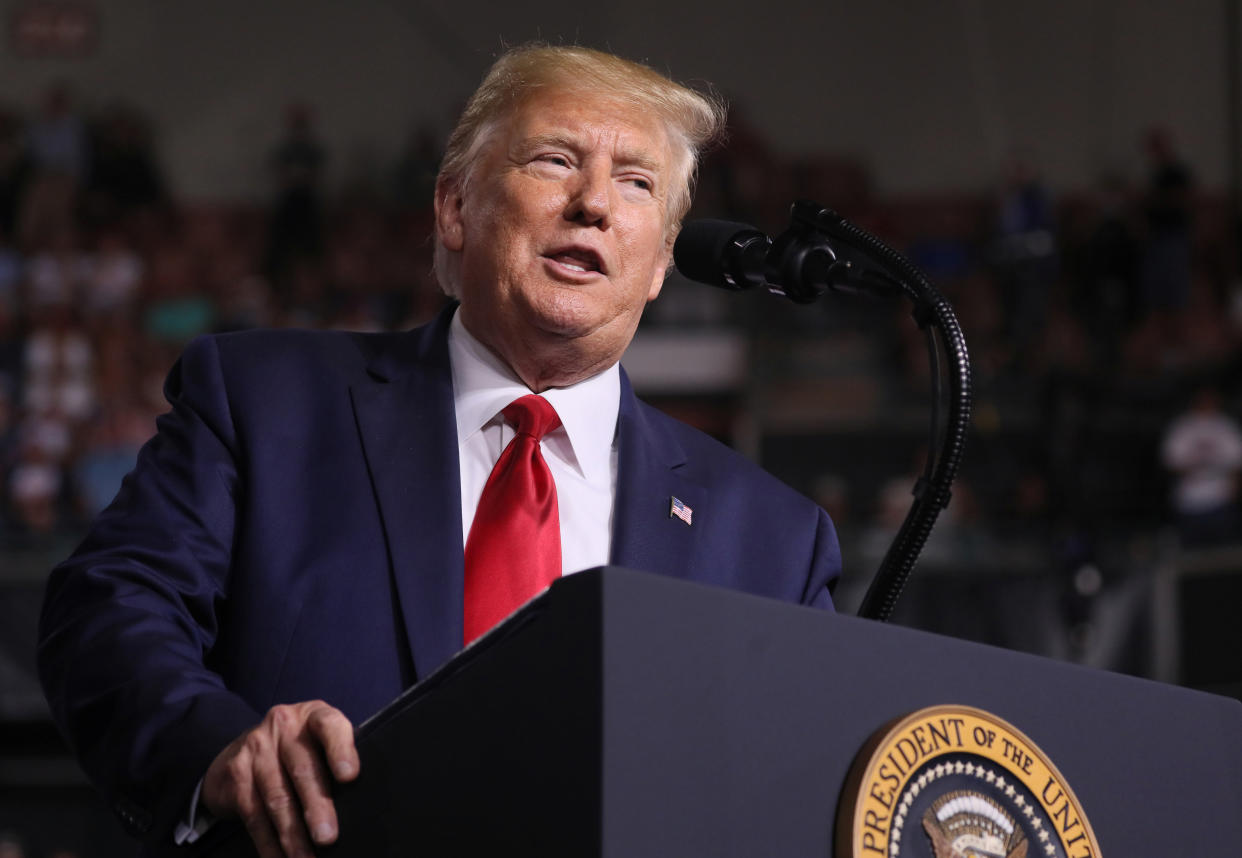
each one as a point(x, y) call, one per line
point(196, 821)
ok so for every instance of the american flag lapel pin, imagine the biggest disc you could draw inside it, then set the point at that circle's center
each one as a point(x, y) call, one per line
point(677, 509)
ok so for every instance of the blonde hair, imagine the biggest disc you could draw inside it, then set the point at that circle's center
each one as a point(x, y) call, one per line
point(692, 119)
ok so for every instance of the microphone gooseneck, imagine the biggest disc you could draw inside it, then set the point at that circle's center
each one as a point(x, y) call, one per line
point(822, 251)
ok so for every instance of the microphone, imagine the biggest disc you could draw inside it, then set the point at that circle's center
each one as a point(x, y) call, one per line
point(722, 253)
point(799, 264)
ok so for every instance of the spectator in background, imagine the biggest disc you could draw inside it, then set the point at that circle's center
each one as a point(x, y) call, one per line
point(108, 454)
point(1166, 259)
point(57, 397)
point(15, 169)
point(295, 230)
point(1202, 449)
point(56, 274)
point(177, 307)
point(57, 139)
point(114, 277)
point(34, 490)
point(11, 267)
point(124, 176)
point(58, 366)
point(8, 455)
point(1024, 255)
point(1109, 303)
point(56, 142)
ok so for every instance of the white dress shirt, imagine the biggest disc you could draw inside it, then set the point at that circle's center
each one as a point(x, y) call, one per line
point(581, 453)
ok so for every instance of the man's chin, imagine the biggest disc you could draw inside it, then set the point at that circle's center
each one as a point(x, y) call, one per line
point(566, 313)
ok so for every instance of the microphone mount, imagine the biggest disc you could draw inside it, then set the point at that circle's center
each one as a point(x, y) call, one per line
point(821, 251)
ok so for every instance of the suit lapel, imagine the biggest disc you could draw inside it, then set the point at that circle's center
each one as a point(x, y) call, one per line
point(649, 465)
point(406, 421)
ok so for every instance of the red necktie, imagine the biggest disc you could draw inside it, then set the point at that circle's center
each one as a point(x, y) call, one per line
point(514, 548)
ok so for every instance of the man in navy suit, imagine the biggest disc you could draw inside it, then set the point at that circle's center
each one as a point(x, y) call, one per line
point(287, 555)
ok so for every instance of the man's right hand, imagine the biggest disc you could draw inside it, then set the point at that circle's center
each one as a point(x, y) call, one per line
point(275, 777)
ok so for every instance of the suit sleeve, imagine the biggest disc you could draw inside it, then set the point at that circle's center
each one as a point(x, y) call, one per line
point(129, 620)
point(825, 565)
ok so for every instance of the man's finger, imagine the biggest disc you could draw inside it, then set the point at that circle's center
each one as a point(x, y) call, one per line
point(261, 832)
point(303, 765)
point(283, 808)
point(336, 735)
point(249, 806)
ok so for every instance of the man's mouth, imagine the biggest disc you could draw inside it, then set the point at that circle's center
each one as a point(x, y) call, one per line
point(578, 259)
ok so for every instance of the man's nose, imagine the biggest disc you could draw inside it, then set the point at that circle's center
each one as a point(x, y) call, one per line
point(591, 199)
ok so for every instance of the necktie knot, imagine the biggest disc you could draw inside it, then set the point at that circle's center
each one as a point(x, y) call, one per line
point(532, 415)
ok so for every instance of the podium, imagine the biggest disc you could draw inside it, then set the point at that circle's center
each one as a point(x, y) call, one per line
point(624, 714)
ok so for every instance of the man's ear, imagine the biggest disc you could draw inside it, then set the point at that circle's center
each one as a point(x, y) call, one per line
point(657, 282)
point(448, 204)
point(663, 270)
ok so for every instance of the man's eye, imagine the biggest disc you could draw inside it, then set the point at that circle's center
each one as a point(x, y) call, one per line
point(640, 182)
point(555, 160)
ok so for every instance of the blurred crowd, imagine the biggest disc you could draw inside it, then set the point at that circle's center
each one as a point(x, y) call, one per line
point(1104, 328)
point(104, 276)
point(1103, 325)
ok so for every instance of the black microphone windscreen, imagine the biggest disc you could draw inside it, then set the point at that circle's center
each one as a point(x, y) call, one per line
point(710, 251)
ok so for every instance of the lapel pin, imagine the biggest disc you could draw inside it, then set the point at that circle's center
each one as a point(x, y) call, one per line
point(677, 509)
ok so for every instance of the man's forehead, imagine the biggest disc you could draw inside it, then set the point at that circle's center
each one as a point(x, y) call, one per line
point(590, 119)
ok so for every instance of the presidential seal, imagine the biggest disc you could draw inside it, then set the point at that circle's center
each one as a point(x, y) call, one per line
point(958, 782)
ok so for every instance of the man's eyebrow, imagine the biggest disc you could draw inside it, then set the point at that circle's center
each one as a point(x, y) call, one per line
point(556, 140)
point(640, 158)
point(627, 157)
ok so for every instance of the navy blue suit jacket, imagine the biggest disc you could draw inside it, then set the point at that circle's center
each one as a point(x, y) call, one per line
point(293, 532)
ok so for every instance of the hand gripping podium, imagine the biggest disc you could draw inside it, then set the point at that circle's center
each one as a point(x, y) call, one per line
point(626, 715)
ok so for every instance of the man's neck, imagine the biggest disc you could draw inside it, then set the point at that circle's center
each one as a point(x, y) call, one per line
point(542, 362)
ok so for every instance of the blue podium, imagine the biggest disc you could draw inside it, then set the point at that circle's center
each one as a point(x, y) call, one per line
point(624, 714)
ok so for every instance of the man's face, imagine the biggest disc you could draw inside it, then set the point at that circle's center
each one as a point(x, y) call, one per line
point(561, 232)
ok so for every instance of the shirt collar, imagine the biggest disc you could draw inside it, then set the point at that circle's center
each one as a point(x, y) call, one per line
point(483, 385)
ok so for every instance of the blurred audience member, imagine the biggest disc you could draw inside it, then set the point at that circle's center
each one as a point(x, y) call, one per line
point(56, 143)
point(57, 138)
point(56, 274)
point(1108, 301)
point(58, 367)
point(1167, 257)
point(295, 229)
point(108, 454)
point(15, 170)
point(1202, 449)
point(124, 175)
point(35, 485)
point(176, 307)
point(11, 272)
point(115, 275)
point(1024, 255)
